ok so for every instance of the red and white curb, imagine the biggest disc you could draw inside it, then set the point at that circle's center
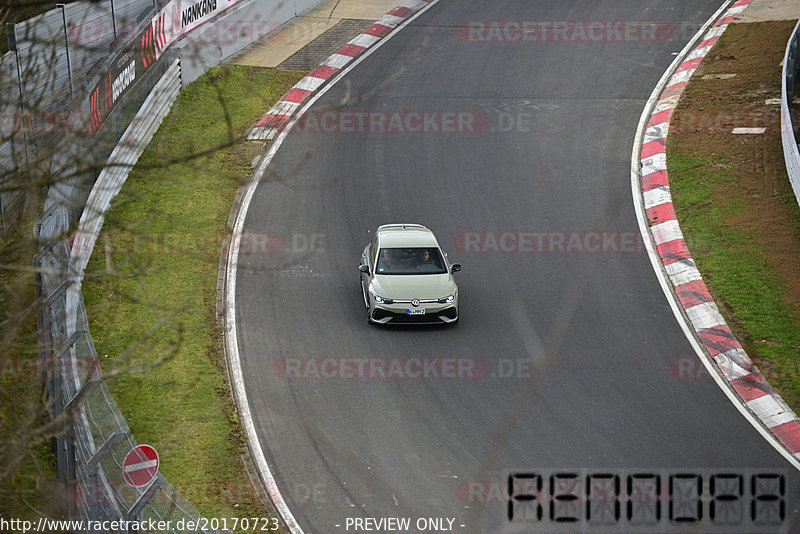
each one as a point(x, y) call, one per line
point(278, 116)
point(713, 333)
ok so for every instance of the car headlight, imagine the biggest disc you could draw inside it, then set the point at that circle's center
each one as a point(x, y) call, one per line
point(380, 300)
point(448, 299)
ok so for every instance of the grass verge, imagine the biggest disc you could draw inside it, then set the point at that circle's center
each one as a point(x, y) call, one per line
point(733, 200)
point(737, 269)
point(150, 288)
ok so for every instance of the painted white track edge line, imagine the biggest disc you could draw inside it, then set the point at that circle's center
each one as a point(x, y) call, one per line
point(655, 259)
point(231, 334)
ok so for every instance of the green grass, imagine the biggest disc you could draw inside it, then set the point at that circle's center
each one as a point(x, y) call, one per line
point(151, 286)
point(28, 472)
point(736, 270)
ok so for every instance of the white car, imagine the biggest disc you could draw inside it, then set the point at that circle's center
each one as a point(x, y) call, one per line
point(406, 278)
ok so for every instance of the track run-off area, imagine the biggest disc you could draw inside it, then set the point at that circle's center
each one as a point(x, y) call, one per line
point(567, 398)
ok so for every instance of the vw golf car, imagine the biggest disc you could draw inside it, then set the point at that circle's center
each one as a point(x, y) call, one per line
point(406, 278)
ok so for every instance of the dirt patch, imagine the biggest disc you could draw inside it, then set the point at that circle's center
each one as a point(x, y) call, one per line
point(760, 200)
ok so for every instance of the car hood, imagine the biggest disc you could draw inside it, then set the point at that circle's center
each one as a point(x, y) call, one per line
point(411, 286)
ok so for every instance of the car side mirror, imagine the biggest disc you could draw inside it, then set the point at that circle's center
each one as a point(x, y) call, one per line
point(455, 267)
point(364, 269)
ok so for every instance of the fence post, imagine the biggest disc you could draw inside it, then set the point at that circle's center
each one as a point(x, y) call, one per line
point(135, 513)
point(53, 372)
point(91, 472)
point(12, 39)
point(2, 215)
point(59, 354)
point(113, 19)
point(66, 44)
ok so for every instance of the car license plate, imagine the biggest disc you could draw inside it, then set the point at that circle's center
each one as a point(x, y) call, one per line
point(415, 311)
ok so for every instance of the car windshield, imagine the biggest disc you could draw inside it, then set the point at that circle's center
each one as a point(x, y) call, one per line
point(410, 261)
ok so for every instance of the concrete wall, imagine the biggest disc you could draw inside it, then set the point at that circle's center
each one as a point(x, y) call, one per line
point(233, 30)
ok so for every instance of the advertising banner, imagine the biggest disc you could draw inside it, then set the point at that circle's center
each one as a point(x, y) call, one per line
point(177, 18)
point(181, 16)
point(128, 66)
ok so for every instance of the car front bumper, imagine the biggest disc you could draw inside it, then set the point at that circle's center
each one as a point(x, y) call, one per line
point(397, 313)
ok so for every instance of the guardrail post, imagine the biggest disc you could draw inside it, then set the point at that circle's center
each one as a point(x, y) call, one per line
point(135, 513)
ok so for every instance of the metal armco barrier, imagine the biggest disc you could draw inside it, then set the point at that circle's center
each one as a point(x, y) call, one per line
point(91, 78)
point(789, 126)
point(100, 439)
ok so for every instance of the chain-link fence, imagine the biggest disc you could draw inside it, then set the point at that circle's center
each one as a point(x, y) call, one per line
point(77, 80)
point(12, 142)
point(54, 61)
point(96, 438)
point(74, 65)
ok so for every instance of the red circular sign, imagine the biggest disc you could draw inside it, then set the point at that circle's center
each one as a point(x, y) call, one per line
point(140, 466)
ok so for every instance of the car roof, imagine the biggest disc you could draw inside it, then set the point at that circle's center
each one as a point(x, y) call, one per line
point(405, 235)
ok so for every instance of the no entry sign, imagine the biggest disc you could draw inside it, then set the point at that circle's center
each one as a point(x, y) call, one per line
point(140, 466)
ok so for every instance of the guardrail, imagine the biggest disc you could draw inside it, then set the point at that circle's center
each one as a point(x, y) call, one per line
point(92, 459)
point(789, 126)
point(121, 72)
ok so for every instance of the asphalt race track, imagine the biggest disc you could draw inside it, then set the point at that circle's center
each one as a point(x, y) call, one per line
point(567, 359)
